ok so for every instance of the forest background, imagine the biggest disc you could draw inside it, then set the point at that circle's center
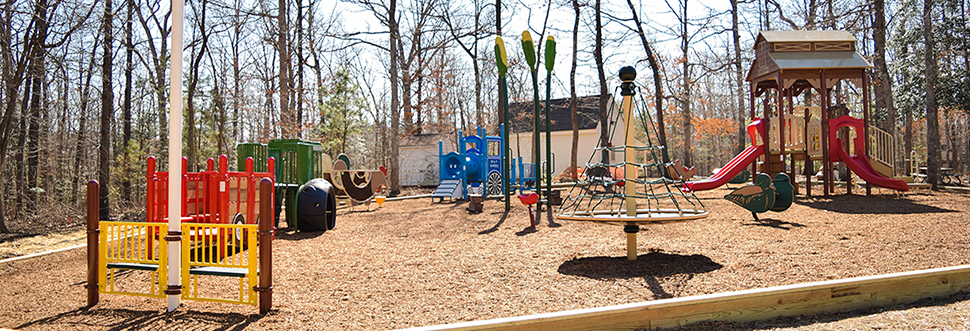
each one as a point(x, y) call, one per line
point(85, 82)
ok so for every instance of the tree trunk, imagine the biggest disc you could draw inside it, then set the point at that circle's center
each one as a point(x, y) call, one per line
point(739, 78)
point(686, 95)
point(574, 150)
point(36, 72)
point(658, 94)
point(884, 83)
point(107, 111)
point(286, 116)
point(932, 120)
point(601, 74)
point(126, 107)
point(82, 112)
point(395, 166)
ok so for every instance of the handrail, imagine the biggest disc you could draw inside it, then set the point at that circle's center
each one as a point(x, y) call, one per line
point(882, 146)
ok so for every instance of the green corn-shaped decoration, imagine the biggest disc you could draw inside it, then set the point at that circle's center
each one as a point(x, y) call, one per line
point(529, 48)
point(501, 58)
point(550, 53)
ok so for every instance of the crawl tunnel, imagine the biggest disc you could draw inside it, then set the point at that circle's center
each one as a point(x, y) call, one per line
point(451, 166)
point(473, 169)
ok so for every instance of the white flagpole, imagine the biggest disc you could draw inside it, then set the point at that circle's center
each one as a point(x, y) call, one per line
point(175, 155)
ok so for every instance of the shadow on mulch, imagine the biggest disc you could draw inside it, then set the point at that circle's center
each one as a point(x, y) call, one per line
point(653, 264)
point(774, 223)
point(127, 319)
point(296, 236)
point(494, 228)
point(5, 237)
point(650, 267)
point(857, 204)
point(800, 321)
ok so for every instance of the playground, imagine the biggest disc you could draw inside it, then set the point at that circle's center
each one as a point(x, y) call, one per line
point(412, 263)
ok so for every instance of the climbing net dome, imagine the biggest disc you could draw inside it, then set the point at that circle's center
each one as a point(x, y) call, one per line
point(620, 192)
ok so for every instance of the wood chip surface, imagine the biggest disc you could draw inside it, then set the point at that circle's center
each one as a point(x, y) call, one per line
point(416, 263)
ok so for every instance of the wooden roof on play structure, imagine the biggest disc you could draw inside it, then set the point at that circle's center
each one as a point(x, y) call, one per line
point(804, 50)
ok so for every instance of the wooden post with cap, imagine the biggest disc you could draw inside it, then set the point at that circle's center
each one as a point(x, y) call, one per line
point(265, 287)
point(93, 247)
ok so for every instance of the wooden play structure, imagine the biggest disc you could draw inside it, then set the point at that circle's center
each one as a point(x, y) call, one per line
point(788, 63)
point(616, 194)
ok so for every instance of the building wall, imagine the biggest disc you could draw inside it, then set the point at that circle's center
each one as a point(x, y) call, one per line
point(420, 164)
point(562, 147)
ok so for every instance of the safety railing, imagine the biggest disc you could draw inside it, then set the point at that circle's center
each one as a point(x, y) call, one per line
point(219, 250)
point(126, 250)
point(882, 146)
point(127, 247)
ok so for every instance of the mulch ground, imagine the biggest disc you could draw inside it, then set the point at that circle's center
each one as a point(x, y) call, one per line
point(414, 263)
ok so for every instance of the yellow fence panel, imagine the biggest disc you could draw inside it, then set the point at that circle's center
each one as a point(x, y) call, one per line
point(221, 250)
point(128, 249)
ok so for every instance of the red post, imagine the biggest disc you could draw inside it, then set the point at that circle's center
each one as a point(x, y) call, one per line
point(265, 287)
point(93, 248)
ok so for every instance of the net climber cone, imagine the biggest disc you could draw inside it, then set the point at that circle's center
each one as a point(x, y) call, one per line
point(620, 193)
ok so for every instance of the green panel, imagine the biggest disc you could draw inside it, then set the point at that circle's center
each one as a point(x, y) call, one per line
point(297, 161)
point(257, 151)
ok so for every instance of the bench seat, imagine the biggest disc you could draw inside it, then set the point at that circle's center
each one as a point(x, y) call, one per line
point(133, 266)
point(220, 271)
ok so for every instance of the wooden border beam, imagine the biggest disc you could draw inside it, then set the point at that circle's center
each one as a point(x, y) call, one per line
point(745, 306)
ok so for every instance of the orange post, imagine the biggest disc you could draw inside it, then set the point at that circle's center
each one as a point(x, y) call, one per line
point(265, 287)
point(93, 248)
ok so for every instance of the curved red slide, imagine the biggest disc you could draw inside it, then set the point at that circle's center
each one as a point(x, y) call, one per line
point(728, 171)
point(738, 163)
point(860, 165)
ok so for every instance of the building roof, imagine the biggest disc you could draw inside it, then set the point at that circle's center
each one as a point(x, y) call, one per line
point(806, 35)
point(818, 60)
point(587, 114)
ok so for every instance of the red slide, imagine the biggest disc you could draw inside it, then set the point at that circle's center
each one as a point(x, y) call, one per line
point(737, 163)
point(728, 171)
point(858, 163)
point(861, 166)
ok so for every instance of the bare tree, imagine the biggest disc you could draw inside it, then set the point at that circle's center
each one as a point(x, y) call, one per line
point(126, 105)
point(739, 76)
point(107, 108)
point(574, 150)
point(386, 12)
point(601, 74)
point(158, 64)
point(469, 25)
point(199, 47)
point(932, 117)
point(658, 94)
point(285, 77)
point(883, 82)
point(36, 75)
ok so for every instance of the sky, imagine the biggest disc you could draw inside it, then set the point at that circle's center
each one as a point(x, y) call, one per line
point(517, 18)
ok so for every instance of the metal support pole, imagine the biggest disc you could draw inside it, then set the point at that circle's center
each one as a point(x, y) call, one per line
point(502, 62)
point(174, 289)
point(631, 241)
point(550, 61)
